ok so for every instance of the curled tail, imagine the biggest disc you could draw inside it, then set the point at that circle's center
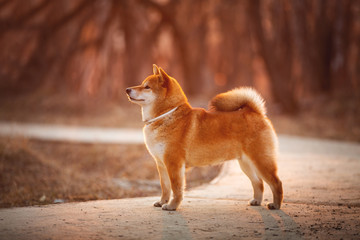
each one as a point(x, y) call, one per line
point(235, 99)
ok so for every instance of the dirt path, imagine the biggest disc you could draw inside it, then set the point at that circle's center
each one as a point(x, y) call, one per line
point(322, 200)
point(72, 133)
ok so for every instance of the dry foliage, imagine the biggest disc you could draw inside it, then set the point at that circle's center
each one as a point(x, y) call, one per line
point(36, 172)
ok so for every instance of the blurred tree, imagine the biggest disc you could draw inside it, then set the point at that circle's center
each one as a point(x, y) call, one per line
point(276, 48)
point(99, 47)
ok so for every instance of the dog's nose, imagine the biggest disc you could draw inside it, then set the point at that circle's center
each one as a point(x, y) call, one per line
point(128, 90)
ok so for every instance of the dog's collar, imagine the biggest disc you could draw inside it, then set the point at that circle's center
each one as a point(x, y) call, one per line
point(147, 122)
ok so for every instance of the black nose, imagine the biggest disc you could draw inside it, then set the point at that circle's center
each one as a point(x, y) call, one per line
point(128, 90)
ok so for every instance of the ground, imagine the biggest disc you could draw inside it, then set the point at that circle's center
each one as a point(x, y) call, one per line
point(320, 178)
point(321, 200)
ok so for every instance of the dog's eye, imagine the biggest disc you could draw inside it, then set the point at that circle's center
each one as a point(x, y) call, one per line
point(147, 87)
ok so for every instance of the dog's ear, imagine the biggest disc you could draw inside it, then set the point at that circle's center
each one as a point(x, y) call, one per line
point(164, 78)
point(155, 70)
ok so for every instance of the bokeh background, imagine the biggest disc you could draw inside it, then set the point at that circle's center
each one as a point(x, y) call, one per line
point(69, 62)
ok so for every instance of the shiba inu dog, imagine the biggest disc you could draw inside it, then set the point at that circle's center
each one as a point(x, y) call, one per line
point(179, 136)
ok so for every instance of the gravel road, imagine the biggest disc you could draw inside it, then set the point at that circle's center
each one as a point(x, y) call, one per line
point(321, 182)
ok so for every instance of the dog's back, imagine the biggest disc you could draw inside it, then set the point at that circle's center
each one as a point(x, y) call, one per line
point(235, 121)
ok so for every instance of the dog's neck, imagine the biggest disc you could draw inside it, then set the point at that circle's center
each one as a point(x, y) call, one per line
point(148, 121)
point(149, 117)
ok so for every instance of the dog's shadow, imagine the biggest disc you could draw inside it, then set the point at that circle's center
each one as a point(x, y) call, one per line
point(278, 225)
point(175, 226)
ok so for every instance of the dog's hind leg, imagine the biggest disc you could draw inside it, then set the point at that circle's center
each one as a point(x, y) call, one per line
point(256, 182)
point(266, 167)
point(275, 184)
point(165, 184)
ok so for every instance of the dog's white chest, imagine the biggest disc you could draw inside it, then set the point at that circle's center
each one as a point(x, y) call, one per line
point(155, 147)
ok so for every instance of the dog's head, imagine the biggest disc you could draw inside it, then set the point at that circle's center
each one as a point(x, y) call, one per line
point(157, 88)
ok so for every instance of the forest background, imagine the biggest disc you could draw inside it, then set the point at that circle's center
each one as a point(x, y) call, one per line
point(69, 62)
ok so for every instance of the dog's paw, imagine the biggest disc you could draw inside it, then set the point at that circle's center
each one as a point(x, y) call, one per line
point(254, 202)
point(159, 203)
point(272, 206)
point(168, 207)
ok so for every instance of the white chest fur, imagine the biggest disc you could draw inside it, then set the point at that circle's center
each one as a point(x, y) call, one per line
point(155, 147)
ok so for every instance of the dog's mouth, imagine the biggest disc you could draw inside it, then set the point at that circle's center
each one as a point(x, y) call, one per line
point(134, 99)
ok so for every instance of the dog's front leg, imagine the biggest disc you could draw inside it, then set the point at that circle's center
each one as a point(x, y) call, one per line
point(165, 184)
point(176, 171)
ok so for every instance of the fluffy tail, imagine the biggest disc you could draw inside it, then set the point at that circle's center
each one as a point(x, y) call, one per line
point(235, 99)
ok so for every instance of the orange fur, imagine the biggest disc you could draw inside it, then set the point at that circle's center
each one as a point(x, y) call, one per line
point(182, 136)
